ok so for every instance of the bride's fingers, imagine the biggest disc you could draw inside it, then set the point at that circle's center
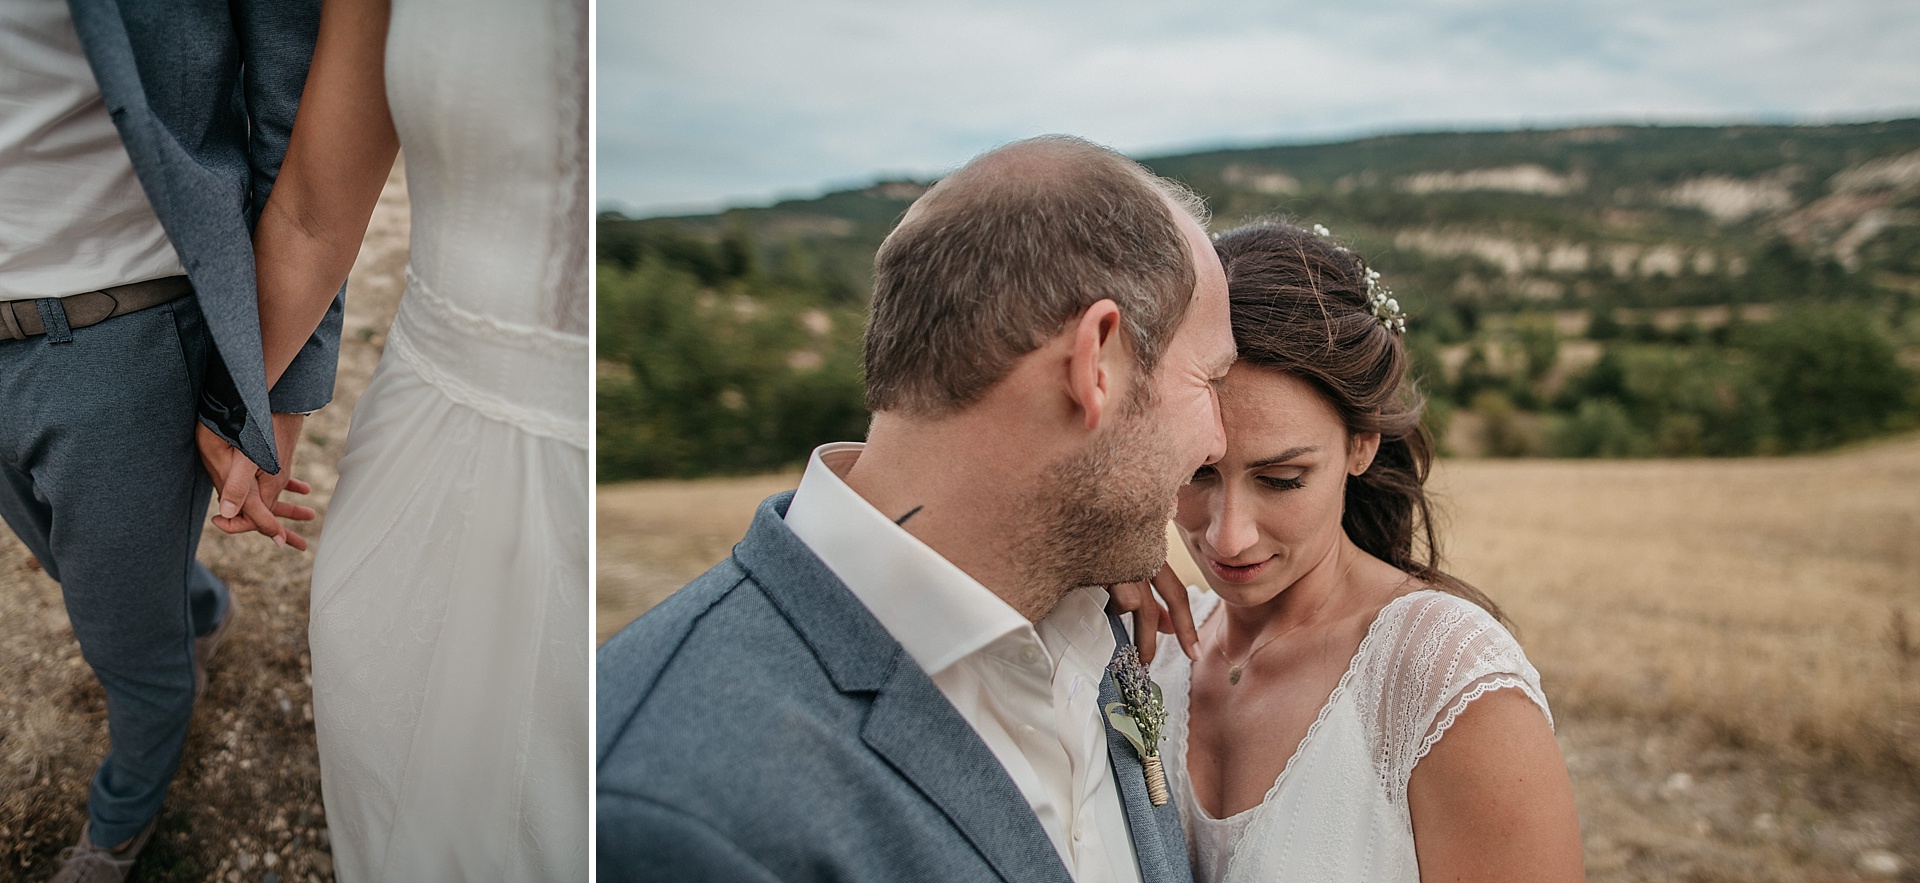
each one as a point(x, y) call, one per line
point(257, 511)
point(293, 511)
point(1179, 610)
point(298, 486)
point(1146, 624)
point(1135, 599)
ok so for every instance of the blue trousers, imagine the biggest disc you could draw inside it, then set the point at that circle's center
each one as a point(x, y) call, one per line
point(100, 478)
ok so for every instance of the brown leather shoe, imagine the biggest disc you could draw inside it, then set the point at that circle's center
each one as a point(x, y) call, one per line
point(85, 862)
point(204, 646)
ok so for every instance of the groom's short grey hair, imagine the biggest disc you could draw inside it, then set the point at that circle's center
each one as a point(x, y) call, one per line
point(999, 256)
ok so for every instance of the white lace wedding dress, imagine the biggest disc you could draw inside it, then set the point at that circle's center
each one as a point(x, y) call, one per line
point(449, 629)
point(1338, 811)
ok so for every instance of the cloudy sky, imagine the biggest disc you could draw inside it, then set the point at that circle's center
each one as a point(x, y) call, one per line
point(708, 103)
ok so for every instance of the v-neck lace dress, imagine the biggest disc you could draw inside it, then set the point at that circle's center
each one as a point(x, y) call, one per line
point(1338, 811)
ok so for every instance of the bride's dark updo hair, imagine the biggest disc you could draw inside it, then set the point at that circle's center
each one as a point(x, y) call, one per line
point(1300, 304)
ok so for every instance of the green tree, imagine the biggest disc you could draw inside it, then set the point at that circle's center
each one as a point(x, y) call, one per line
point(1599, 428)
point(1539, 345)
point(1830, 375)
point(744, 377)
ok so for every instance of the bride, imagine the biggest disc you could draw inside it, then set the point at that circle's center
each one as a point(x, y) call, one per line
point(1353, 713)
point(449, 617)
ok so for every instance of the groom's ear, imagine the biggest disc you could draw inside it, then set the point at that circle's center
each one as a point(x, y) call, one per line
point(1094, 360)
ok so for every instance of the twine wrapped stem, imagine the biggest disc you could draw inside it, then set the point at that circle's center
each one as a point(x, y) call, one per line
point(1156, 780)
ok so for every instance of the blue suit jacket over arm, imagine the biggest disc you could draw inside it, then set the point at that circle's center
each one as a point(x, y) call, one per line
point(760, 724)
point(203, 93)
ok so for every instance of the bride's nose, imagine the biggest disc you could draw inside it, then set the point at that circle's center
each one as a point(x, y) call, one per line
point(1230, 527)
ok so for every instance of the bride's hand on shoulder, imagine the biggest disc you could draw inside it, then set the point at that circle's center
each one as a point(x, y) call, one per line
point(1171, 613)
point(1491, 801)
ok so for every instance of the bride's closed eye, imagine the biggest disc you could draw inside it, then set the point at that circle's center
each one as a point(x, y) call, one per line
point(1281, 483)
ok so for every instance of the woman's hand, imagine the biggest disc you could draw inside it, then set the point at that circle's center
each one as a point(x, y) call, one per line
point(249, 498)
point(1150, 617)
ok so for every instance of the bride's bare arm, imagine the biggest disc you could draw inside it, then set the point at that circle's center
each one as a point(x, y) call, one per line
point(1492, 801)
point(338, 157)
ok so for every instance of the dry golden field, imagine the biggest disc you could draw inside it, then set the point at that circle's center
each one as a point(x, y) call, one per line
point(246, 802)
point(1731, 647)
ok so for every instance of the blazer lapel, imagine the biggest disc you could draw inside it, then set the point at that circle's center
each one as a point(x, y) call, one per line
point(1157, 839)
point(911, 724)
point(918, 731)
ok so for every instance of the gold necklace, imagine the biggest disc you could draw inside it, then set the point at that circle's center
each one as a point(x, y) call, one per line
point(1235, 670)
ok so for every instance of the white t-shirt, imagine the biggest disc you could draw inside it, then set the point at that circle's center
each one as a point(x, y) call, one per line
point(73, 217)
point(1030, 690)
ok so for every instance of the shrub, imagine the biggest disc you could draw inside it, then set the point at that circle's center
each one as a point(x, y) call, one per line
point(1599, 428)
point(1830, 375)
point(742, 378)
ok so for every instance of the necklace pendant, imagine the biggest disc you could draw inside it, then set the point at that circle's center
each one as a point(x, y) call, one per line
point(1233, 675)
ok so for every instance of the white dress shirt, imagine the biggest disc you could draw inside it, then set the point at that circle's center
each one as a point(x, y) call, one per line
point(72, 215)
point(1031, 691)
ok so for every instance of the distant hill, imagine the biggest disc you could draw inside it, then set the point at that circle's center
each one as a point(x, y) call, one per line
point(1615, 215)
point(1614, 291)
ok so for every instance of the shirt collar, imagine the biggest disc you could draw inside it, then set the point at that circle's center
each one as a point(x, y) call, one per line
point(937, 612)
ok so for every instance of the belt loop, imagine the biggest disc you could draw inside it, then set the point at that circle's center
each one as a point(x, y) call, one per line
point(53, 315)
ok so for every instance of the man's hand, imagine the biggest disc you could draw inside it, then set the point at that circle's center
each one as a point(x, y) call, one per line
point(249, 497)
point(1150, 617)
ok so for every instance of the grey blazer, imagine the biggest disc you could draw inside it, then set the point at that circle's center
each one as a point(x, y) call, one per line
point(761, 725)
point(203, 93)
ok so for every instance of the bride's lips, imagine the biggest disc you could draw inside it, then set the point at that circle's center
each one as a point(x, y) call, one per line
point(1238, 573)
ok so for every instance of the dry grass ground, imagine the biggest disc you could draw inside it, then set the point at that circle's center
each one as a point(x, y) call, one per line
point(246, 802)
point(1732, 647)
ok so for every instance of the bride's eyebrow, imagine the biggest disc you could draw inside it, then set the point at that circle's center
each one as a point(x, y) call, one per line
point(1283, 456)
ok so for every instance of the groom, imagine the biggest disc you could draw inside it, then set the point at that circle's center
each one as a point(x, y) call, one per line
point(900, 672)
point(138, 142)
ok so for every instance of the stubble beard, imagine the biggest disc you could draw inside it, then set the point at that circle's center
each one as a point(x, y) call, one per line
point(1102, 513)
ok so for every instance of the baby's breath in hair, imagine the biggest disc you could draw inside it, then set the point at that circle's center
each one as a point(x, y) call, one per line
point(1385, 308)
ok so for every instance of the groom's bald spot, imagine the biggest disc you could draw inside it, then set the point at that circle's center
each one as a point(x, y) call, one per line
point(1001, 254)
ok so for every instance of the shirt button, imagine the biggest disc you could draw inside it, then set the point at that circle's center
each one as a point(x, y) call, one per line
point(1027, 729)
point(1029, 655)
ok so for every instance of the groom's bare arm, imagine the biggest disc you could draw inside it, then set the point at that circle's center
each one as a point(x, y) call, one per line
point(1492, 802)
point(342, 148)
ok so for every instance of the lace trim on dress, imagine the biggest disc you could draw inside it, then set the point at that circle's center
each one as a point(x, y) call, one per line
point(1333, 698)
point(572, 432)
point(478, 325)
point(1497, 682)
point(1443, 653)
point(441, 312)
point(1252, 816)
point(566, 271)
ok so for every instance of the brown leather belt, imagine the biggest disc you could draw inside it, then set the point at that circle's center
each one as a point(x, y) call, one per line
point(20, 319)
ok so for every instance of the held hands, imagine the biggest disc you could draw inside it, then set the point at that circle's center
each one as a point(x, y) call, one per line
point(1150, 616)
point(249, 497)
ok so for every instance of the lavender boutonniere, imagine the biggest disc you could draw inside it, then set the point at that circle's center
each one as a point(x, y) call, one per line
point(1138, 716)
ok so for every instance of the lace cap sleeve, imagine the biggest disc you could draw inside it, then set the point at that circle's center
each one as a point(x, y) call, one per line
point(1435, 654)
